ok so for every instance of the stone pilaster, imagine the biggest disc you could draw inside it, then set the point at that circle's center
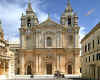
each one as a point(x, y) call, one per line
point(22, 64)
point(62, 61)
point(77, 62)
point(37, 65)
point(40, 64)
point(58, 63)
point(11, 65)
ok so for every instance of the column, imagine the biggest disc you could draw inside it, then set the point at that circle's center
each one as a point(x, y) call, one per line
point(57, 44)
point(62, 65)
point(55, 65)
point(11, 66)
point(40, 39)
point(23, 68)
point(62, 39)
point(37, 66)
point(4, 67)
point(77, 64)
point(58, 63)
point(40, 63)
point(23, 40)
point(60, 43)
point(36, 39)
point(76, 44)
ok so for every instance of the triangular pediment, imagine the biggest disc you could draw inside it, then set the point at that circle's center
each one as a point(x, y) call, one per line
point(49, 22)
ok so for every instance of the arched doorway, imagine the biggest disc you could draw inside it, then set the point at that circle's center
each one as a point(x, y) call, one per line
point(49, 68)
point(69, 69)
point(29, 70)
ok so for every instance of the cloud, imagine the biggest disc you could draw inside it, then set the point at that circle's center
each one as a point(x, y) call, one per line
point(10, 14)
point(90, 12)
point(82, 32)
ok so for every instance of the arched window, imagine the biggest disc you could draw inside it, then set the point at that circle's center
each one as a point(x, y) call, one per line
point(49, 41)
point(69, 20)
point(29, 22)
point(69, 69)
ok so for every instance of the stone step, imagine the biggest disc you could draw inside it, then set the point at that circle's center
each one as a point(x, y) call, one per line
point(41, 77)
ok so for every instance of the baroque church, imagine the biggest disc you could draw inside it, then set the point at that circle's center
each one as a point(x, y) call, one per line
point(48, 46)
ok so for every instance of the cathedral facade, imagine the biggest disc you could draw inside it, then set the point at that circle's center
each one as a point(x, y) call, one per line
point(48, 46)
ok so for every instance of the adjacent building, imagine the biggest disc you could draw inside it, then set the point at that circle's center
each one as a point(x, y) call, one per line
point(6, 57)
point(48, 46)
point(91, 54)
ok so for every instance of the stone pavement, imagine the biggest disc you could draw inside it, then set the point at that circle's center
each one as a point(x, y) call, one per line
point(44, 77)
point(47, 79)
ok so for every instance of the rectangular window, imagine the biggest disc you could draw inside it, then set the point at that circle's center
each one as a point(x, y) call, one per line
point(86, 59)
point(85, 48)
point(93, 57)
point(97, 57)
point(98, 42)
point(80, 70)
point(89, 58)
point(93, 44)
point(89, 47)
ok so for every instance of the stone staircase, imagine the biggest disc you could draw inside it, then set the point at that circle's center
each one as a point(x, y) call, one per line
point(41, 77)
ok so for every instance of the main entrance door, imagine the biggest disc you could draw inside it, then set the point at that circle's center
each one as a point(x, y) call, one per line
point(29, 70)
point(98, 73)
point(69, 69)
point(49, 68)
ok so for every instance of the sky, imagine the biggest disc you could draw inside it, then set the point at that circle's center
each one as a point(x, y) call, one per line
point(11, 11)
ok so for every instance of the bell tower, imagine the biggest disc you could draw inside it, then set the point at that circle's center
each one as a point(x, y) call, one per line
point(30, 19)
point(69, 20)
point(28, 22)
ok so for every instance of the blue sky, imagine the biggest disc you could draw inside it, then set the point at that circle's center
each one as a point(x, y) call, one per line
point(11, 10)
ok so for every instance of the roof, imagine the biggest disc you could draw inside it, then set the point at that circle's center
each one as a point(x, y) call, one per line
point(49, 22)
point(91, 32)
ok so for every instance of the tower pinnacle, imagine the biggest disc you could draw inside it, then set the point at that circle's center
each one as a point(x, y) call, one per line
point(29, 1)
point(69, 8)
point(48, 16)
point(29, 8)
point(68, 2)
